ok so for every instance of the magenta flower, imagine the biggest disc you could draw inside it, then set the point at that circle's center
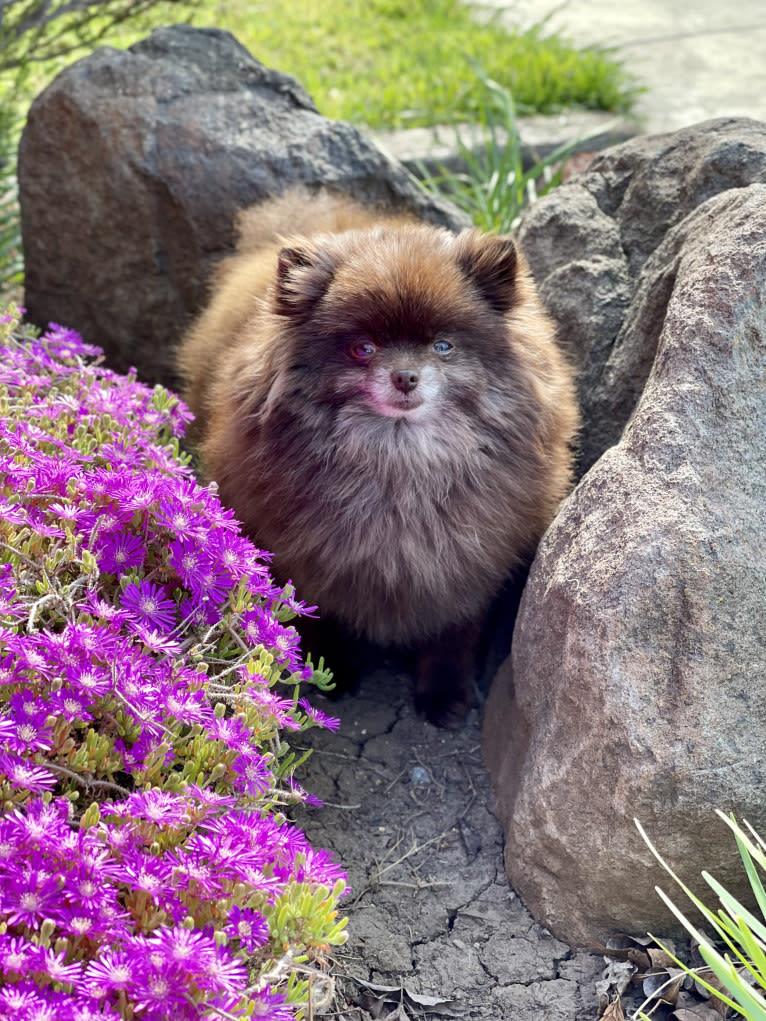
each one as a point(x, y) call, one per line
point(21, 773)
point(179, 945)
point(31, 657)
point(32, 898)
point(141, 871)
point(132, 489)
point(155, 640)
point(71, 705)
point(233, 731)
point(18, 954)
point(188, 705)
point(56, 968)
point(317, 716)
point(32, 734)
point(64, 343)
point(250, 928)
point(81, 925)
point(179, 517)
point(212, 586)
point(65, 511)
point(22, 1000)
point(44, 823)
point(112, 970)
point(120, 551)
point(102, 609)
point(147, 747)
point(259, 626)
point(9, 670)
point(196, 873)
point(148, 605)
point(207, 799)
point(189, 560)
point(155, 806)
point(302, 795)
point(161, 995)
point(88, 679)
point(87, 893)
point(279, 708)
point(236, 555)
point(271, 1006)
point(253, 771)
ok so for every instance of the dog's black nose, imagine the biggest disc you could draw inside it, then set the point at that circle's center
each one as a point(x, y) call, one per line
point(404, 380)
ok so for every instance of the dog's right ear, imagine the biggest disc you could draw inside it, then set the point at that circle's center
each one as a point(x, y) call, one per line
point(304, 272)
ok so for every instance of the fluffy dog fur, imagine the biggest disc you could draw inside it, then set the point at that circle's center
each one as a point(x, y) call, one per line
point(383, 405)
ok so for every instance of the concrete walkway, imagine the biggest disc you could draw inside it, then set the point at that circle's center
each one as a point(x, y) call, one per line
point(696, 58)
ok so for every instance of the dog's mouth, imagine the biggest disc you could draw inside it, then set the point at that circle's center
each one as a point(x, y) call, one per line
point(410, 406)
point(390, 401)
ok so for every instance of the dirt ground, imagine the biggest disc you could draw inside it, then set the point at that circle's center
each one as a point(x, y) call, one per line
point(435, 929)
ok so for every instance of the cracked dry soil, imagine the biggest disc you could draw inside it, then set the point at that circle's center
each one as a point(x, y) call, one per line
point(432, 917)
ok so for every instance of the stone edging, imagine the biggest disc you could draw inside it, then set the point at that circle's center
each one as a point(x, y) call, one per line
point(439, 146)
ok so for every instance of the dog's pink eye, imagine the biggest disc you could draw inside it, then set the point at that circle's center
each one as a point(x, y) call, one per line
point(364, 351)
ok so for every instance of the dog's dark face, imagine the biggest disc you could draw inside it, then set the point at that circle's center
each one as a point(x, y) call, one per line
point(396, 324)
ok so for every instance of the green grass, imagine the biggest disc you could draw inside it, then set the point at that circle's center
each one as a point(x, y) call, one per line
point(405, 63)
point(11, 263)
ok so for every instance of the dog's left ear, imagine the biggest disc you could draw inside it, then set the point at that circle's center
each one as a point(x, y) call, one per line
point(490, 262)
point(304, 272)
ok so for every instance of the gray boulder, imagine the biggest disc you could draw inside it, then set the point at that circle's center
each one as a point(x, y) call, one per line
point(636, 684)
point(133, 165)
point(590, 244)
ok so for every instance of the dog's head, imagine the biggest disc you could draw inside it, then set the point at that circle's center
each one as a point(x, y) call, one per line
point(398, 321)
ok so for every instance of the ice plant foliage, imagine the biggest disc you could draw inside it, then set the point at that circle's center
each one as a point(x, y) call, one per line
point(148, 674)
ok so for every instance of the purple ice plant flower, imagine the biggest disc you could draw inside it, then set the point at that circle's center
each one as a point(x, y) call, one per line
point(19, 772)
point(120, 551)
point(249, 927)
point(141, 640)
point(318, 717)
point(112, 971)
point(159, 807)
point(18, 955)
point(252, 771)
point(147, 604)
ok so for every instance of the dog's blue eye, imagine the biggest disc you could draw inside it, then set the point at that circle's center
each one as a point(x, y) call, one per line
point(441, 347)
point(363, 351)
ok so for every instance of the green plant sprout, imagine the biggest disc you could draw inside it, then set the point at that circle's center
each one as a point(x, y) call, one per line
point(741, 966)
point(497, 181)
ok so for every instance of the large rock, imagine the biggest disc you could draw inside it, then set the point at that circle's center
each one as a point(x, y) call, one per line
point(636, 687)
point(133, 165)
point(589, 244)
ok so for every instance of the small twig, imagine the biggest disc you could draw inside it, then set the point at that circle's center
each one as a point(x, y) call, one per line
point(395, 780)
point(413, 850)
point(343, 808)
point(87, 783)
point(468, 807)
point(422, 884)
point(51, 597)
point(144, 717)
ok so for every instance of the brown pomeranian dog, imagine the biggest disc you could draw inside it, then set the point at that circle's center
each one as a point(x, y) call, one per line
point(384, 406)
